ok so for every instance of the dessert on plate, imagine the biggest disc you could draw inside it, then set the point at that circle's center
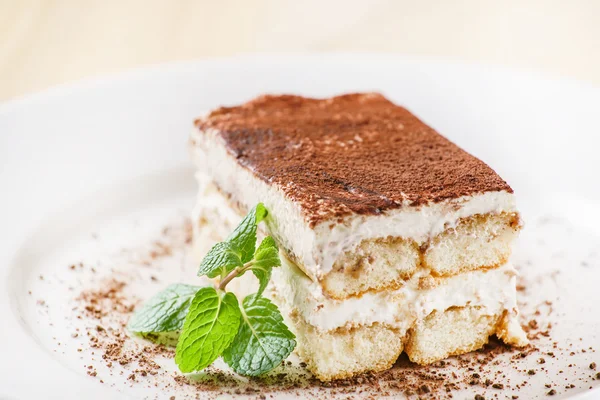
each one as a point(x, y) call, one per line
point(392, 238)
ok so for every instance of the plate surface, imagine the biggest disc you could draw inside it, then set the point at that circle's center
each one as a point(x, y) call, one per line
point(91, 168)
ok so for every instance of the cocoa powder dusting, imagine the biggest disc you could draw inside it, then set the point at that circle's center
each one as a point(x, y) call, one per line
point(356, 153)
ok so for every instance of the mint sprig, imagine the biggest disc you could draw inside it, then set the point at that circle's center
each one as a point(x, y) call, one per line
point(253, 338)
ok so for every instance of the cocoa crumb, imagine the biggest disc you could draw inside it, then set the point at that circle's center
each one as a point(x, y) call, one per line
point(552, 392)
point(424, 389)
point(593, 365)
point(533, 324)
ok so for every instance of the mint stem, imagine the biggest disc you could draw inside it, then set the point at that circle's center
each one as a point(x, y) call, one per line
point(237, 271)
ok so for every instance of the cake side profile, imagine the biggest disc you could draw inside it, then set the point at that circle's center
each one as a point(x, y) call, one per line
point(294, 154)
point(392, 238)
point(429, 318)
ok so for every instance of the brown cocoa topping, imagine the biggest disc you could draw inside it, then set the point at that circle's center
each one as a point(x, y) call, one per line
point(356, 153)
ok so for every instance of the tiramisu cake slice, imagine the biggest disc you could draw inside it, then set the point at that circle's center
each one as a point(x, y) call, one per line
point(392, 238)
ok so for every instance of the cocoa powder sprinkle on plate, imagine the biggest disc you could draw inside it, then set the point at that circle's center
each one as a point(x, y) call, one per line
point(102, 310)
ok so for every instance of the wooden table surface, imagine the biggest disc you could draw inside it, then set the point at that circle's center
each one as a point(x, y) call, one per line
point(44, 42)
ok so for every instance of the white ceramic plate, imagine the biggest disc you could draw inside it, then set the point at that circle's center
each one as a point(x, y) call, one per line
point(110, 156)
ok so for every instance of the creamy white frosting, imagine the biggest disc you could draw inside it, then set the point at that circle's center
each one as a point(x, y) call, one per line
point(318, 248)
point(494, 290)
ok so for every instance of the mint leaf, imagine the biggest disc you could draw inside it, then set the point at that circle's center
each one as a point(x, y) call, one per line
point(222, 258)
point(237, 250)
point(262, 341)
point(267, 254)
point(244, 236)
point(211, 324)
point(265, 258)
point(165, 311)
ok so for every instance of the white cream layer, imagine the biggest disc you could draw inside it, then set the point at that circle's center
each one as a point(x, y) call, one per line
point(494, 290)
point(318, 248)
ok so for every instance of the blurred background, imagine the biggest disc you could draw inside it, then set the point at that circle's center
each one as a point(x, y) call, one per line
point(47, 42)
